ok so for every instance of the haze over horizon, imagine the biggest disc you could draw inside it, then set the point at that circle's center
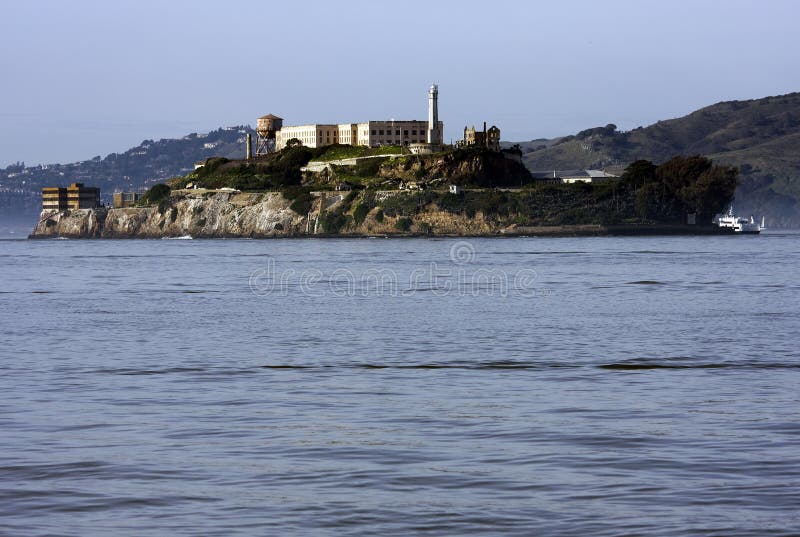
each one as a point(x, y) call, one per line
point(90, 78)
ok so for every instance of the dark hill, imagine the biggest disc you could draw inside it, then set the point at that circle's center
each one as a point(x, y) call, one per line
point(760, 136)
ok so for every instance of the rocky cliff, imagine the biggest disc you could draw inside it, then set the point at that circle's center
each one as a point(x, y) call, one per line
point(202, 214)
point(207, 214)
point(78, 224)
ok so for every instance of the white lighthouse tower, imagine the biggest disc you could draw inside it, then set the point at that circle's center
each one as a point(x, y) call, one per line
point(434, 130)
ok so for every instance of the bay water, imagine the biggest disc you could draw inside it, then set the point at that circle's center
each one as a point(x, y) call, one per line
point(522, 386)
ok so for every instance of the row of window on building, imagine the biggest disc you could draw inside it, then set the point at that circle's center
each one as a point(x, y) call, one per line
point(372, 133)
point(75, 196)
point(78, 196)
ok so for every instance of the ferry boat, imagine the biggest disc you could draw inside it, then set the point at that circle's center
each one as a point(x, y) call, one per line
point(739, 225)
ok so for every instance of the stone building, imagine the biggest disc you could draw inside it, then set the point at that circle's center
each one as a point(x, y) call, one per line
point(490, 139)
point(126, 199)
point(75, 196)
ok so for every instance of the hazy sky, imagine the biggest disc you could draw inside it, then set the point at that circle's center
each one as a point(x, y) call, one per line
point(87, 78)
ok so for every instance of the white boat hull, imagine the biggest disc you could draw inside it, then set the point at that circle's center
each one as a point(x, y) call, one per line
point(739, 225)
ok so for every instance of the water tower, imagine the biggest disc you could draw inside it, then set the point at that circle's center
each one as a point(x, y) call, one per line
point(266, 127)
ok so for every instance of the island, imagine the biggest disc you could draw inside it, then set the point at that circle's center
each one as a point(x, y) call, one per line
point(395, 177)
point(349, 191)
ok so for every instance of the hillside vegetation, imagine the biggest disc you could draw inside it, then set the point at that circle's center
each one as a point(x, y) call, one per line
point(468, 167)
point(760, 137)
point(498, 189)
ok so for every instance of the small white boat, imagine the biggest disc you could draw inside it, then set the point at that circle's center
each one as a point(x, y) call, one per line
point(739, 225)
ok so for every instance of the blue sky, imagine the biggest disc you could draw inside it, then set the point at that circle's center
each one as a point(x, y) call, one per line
point(87, 78)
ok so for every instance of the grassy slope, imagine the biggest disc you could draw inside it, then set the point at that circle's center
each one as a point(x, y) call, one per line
point(338, 152)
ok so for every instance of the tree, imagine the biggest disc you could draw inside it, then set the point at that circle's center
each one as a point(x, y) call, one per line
point(679, 186)
point(293, 142)
point(646, 200)
point(157, 193)
point(679, 173)
point(695, 185)
point(714, 190)
point(639, 173)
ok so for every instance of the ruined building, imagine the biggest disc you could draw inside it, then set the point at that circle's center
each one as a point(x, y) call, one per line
point(490, 139)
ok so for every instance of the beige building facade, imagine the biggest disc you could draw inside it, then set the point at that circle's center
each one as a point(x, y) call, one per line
point(369, 134)
point(314, 135)
point(377, 133)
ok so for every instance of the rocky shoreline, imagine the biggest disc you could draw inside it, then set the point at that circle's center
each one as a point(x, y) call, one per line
point(268, 215)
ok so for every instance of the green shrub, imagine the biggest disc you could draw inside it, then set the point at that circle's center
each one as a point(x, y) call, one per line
point(293, 192)
point(451, 202)
point(349, 199)
point(495, 202)
point(301, 199)
point(403, 224)
point(210, 166)
point(379, 216)
point(332, 222)
point(294, 157)
point(369, 167)
point(401, 205)
point(302, 205)
point(274, 172)
point(293, 142)
point(360, 213)
point(156, 195)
